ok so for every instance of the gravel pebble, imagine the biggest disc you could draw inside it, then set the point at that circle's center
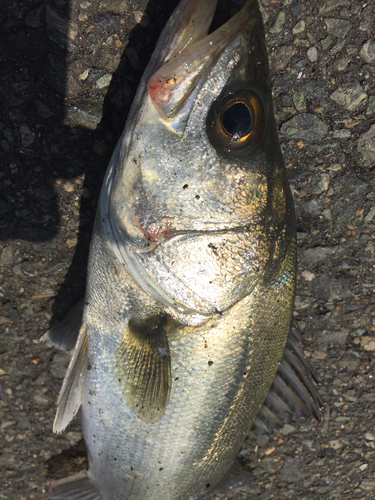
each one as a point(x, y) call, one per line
point(366, 146)
point(312, 54)
point(305, 126)
point(337, 27)
point(350, 96)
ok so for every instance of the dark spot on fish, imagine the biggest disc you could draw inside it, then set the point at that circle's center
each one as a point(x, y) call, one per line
point(210, 363)
point(119, 380)
point(244, 374)
point(213, 248)
point(131, 468)
point(197, 197)
point(89, 367)
point(161, 468)
point(208, 485)
point(115, 459)
point(210, 282)
point(176, 379)
point(185, 186)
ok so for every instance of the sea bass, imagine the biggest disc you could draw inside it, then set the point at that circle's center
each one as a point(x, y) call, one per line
point(191, 276)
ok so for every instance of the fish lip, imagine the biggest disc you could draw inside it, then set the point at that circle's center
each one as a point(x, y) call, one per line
point(174, 85)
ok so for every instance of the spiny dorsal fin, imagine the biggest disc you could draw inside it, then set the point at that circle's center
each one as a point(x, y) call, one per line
point(64, 335)
point(143, 367)
point(70, 396)
point(292, 392)
point(77, 487)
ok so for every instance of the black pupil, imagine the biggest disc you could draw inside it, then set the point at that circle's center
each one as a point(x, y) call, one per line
point(237, 119)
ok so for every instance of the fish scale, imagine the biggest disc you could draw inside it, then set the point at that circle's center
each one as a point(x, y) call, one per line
point(191, 276)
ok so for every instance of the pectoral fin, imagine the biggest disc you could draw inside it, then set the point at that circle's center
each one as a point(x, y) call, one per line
point(70, 396)
point(143, 367)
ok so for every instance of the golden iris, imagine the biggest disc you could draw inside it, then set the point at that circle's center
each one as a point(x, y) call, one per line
point(236, 122)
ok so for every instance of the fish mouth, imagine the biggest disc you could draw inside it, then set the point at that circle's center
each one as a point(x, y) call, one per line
point(191, 52)
point(127, 255)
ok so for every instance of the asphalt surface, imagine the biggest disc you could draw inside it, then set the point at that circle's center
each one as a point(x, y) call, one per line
point(68, 73)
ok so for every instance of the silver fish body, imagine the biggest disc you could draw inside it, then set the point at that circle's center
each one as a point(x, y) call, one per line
point(192, 270)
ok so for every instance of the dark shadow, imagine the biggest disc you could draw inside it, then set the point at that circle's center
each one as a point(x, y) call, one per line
point(74, 457)
point(44, 145)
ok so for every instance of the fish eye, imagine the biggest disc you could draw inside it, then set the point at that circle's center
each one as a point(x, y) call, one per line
point(236, 121)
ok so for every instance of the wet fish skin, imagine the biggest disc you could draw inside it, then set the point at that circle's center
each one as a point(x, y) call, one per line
point(191, 275)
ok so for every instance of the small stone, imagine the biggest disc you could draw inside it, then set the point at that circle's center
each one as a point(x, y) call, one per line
point(141, 18)
point(367, 51)
point(287, 429)
point(367, 16)
point(43, 293)
point(83, 76)
point(4, 145)
point(328, 5)
point(299, 101)
point(350, 96)
point(69, 187)
point(133, 57)
point(318, 253)
point(367, 485)
point(305, 126)
point(10, 312)
point(85, 113)
point(269, 450)
point(326, 43)
point(363, 467)
point(279, 23)
point(104, 81)
point(107, 21)
point(85, 5)
point(82, 17)
point(23, 423)
point(7, 258)
point(370, 346)
point(299, 27)
point(280, 57)
point(71, 242)
point(27, 136)
point(370, 436)
point(337, 27)
point(308, 276)
point(371, 105)
point(366, 146)
point(342, 134)
point(296, 10)
point(312, 54)
point(335, 444)
point(341, 64)
point(370, 215)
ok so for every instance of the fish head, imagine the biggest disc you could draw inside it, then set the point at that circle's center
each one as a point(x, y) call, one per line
point(200, 150)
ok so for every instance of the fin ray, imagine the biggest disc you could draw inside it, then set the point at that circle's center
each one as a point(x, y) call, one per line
point(77, 487)
point(143, 367)
point(292, 392)
point(64, 335)
point(70, 396)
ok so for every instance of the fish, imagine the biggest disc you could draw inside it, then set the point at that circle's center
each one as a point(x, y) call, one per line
point(185, 342)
